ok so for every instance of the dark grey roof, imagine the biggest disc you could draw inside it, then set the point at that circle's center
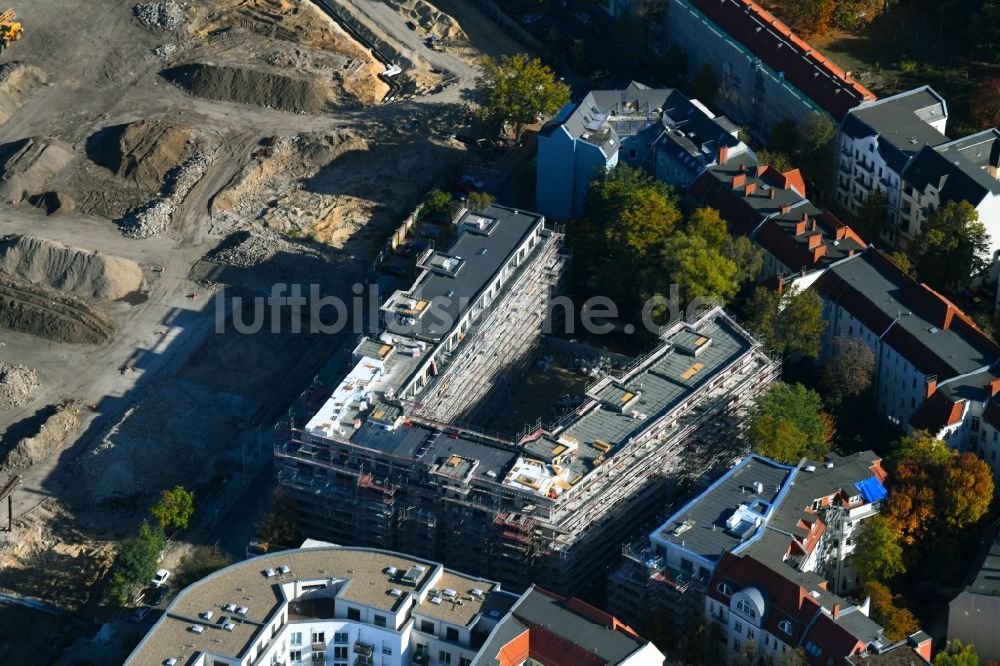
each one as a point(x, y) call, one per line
point(981, 148)
point(588, 120)
point(700, 526)
point(954, 176)
point(987, 580)
point(689, 129)
point(484, 256)
point(901, 121)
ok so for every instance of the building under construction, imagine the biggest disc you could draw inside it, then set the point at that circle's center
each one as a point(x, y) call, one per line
point(387, 461)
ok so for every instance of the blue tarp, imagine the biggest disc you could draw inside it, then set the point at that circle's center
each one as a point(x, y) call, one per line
point(872, 489)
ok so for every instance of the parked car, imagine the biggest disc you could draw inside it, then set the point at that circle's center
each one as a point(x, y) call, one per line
point(139, 614)
point(160, 577)
point(472, 180)
point(158, 594)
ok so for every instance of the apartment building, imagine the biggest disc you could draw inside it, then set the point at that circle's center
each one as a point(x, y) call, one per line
point(934, 368)
point(332, 605)
point(898, 145)
point(760, 611)
point(972, 614)
point(389, 460)
point(765, 72)
point(798, 519)
point(798, 239)
point(660, 130)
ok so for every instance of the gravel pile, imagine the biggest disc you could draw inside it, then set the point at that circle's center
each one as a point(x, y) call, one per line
point(160, 15)
point(157, 214)
point(17, 385)
point(252, 249)
point(165, 51)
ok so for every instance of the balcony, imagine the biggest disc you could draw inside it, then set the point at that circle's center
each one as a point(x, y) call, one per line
point(364, 649)
point(421, 658)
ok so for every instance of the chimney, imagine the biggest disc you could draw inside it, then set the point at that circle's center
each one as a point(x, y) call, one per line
point(751, 188)
point(743, 168)
point(800, 226)
point(836, 611)
point(815, 240)
point(818, 251)
point(931, 386)
point(723, 154)
point(995, 387)
point(739, 180)
point(785, 208)
point(771, 193)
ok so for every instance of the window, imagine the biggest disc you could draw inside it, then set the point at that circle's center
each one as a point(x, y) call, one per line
point(725, 588)
point(340, 652)
point(340, 637)
point(745, 608)
point(319, 657)
point(737, 625)
point(814, 649)
point(296, 638)
point(295, 655)
point(444, 657)
point(451, 633)
point(750, 634)
point(686, 565)
point(464, 661)
point(386, 649)
point(736, 645)
point(380, 620)
point(353, 613)
point(318, 637)
point(632, 153)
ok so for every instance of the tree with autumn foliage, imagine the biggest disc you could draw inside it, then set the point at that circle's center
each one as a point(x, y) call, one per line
point(933, 489)
point(788, 424)
point(514, 90)
point(789, 323)
point(849, 370)
point(984, 107)
point(890, 611)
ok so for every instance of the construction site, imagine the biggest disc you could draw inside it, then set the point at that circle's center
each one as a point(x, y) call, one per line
point(154, 156)
point(394, 456)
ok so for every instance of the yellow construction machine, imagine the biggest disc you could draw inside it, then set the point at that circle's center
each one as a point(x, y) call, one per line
point(10, 29)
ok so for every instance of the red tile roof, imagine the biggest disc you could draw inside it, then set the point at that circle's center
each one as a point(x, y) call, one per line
point(828, 86)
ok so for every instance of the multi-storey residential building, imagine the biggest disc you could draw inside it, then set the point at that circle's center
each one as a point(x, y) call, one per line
point(934, 368)
point(762, 612)
point(800, 518)
point(385, 461)
point(972, 615)
point(799, 240)
point(660, 130)
point(898, 145)
point(331, 605)
point(765, 72)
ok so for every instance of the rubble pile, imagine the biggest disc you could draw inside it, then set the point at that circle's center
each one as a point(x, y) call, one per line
point(160, 15)
point(17, 385)
point(154, 217)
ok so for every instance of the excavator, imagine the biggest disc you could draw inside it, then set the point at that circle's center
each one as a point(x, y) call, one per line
point(10, 29)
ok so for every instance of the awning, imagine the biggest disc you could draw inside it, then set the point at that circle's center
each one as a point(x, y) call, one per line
point(872, 489)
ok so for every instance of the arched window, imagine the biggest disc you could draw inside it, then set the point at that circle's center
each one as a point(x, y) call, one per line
point(786, 627)
point(745, 608)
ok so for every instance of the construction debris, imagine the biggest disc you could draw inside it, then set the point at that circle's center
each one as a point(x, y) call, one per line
point(17, 385)
point(17, 81)
point(161, 15)
point(157, 215)
point(57, 428)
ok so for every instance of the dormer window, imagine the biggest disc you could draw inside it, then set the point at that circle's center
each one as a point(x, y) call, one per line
point(786, 627)
point(745, 608)
point(725, 589)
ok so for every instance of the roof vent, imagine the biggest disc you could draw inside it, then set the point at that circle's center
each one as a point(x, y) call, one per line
point(242, 610)
point(229, 626)
point(436, 601)
point(390, 571)
point(269, 573)
point(450, 593)
point(395, 592)
point(284, 569)
point(809, 468)
point(758, 487)
point(170, 662)
point(229, 608)
point(476, 592)
point(196, 628)
point(207, 615)
point(829, 464)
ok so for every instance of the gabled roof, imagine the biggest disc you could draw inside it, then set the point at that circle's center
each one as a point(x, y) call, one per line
point(828, 86)
point(952, 174)
point(901, 122)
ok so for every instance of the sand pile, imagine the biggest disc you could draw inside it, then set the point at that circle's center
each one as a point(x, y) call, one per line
point(69, 269)
point(51, 314)
point(230, 83)
point(17, 81)
point(147, 150)
point(428, 17)
point(29, 165)
point(17, 385)
point(160, 15)
point(53, 432)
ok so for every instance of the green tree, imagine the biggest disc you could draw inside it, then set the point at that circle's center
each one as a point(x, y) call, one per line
point(815, 134)
point(788, 324)
point(437, 201)
point(479, 201)
point(952, 246)
point(199, 562)
point(704, 86)
point(515, 90)
point(848, 372)
point(872, 217)
point(788, 424)
point(699, 268)
point(135, 562)
point(889, 611)
point(878, 555)
point(749, 259)
point(780, 161)
point(902, 262)
point(174, 509)
point(956, 654)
